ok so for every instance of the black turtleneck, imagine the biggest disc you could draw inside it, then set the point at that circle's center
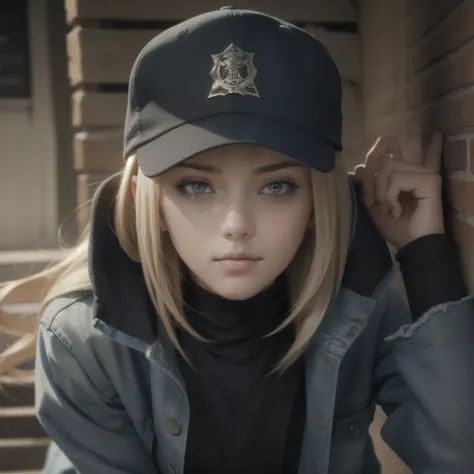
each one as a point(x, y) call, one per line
point(245, 422)
point(240, 417)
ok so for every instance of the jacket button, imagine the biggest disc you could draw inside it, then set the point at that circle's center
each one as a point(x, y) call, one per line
point(174, 427)
point(352, 331)
point(354, 430)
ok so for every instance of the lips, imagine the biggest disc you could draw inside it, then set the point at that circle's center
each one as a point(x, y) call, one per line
point(238, 257)
point(237, 264)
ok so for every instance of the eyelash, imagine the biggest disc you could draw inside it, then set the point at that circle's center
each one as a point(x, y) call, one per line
point(292, 186)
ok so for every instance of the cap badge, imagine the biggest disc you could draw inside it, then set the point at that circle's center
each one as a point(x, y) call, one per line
point(233, 72)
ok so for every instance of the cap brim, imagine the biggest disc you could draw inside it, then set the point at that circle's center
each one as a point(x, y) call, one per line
point(191, 139)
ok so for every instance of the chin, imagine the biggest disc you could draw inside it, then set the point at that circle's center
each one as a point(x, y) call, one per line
point(238, 291)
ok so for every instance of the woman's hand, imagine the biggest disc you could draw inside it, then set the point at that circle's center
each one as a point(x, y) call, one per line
point(403, 199)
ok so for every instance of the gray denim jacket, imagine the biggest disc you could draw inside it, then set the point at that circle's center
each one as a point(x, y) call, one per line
point(110, 394)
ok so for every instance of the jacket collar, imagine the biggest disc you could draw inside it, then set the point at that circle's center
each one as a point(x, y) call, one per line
point(120, 294)
point(121, 299)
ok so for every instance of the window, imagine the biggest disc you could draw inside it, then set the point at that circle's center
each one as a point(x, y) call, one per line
point(14, 50)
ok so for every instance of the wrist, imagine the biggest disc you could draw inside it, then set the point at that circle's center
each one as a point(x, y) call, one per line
point(420, 235)
point(431, 272)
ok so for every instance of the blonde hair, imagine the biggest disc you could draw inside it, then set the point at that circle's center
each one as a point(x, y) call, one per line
point(315, 274)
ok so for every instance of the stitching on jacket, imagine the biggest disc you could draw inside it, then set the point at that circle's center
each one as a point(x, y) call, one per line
point(407, 330)
point(64, 340)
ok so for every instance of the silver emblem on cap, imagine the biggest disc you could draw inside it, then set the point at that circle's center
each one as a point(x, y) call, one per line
point(233, 72)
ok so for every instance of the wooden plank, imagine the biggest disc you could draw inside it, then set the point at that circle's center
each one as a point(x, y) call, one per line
point(177, 10)
point(23, 454)
point(104, 55)
point(22, 472)
point(107, 55)
point(19, 422)
point(99, 152)
point(98, 109)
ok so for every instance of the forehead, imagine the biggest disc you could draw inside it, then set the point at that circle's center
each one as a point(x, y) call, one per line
point(229, 153)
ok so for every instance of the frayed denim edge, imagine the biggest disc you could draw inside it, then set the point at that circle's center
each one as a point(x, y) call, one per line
point(407, 330)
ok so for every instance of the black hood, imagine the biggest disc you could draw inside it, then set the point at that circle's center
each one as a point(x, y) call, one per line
point(121, 298)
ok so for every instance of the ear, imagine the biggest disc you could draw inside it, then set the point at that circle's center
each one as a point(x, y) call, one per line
point(134, 186)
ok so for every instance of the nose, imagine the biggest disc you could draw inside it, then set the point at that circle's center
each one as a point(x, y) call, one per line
point(237, 225)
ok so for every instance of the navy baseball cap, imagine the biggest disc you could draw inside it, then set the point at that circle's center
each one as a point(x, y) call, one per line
point(233, 77)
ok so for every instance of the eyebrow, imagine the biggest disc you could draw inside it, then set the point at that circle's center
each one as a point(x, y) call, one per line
point(261, 170)
point(277, 166)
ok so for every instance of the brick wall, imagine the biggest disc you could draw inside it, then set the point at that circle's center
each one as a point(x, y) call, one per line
point(418, 68)
point(418, 78)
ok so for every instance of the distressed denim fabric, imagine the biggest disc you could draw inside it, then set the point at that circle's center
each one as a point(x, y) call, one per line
point(107, 399)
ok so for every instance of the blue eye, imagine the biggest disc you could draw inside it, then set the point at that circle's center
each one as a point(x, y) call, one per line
point(280, 188)
point(194, 188)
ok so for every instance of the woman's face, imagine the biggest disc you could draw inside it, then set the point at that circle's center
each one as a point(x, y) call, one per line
point(236, 216)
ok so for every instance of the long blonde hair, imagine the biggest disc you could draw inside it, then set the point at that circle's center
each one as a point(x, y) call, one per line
point(315, 274)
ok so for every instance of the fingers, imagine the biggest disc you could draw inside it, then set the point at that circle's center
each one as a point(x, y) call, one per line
point(387, 173)
point(390, 168)
point(379, 149)
point(359, 173)
point(385, 145)
point(386, 156)
point(419, 185)
point(400, 181)
point(433, 155)
point(375, 180)
point(380, 181)
point(385, 148)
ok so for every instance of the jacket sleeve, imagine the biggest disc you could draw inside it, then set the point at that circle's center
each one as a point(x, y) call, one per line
point(56, 462)
point(424, 381)
point(90, 427)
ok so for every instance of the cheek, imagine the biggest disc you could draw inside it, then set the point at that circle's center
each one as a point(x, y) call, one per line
point(285, 237)
point(182, 216)
point(176, 223)
point(284, 230)
point(189, 229)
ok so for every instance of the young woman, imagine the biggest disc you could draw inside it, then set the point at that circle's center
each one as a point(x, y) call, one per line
point(232, 307)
